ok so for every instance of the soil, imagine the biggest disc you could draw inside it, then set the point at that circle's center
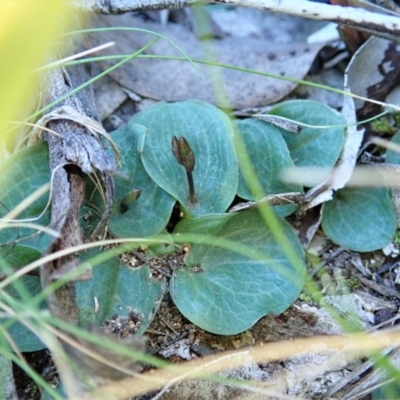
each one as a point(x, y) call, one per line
point(172, 337)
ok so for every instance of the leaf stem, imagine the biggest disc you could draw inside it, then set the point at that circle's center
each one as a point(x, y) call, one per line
point(192, 197)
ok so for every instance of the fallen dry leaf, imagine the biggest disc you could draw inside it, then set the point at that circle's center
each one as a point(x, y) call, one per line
point(158, 79)
point(374, 73)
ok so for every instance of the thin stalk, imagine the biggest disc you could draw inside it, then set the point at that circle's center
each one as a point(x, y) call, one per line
point(192, 197)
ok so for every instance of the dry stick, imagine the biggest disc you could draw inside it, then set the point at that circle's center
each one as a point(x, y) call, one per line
point(73, 119)
point(357, 344)
point(358, 18)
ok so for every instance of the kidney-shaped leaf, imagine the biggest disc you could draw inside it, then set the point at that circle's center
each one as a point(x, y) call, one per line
point(149, 214)
point(116, 289)
point(360, 219)
point(23, 289)
point(313, 147)
point(226, 292)
point(208, 132)
point(269, 156)
point(24, 338)
point(20, 175)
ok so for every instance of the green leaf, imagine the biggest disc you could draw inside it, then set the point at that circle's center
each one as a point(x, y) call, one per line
point(149, 214)
point(313, 147)
point(269, 155)
point(116, 289)
point(387, 391)
point(25, 339)
point(225, 292)
point(23, 289)
point(393, 157)
point(20, 175)
point(6, 378)
point(161, 249)
point(208, 132)
point(360, 219)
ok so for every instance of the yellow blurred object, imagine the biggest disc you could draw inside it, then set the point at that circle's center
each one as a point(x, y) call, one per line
point(27, 28)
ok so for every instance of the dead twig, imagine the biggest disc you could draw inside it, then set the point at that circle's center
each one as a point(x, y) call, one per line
point(387, 26)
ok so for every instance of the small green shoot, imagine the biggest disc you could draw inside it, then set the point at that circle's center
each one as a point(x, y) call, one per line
point(185, 156)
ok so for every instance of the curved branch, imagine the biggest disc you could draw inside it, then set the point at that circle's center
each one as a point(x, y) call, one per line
point(383, 25)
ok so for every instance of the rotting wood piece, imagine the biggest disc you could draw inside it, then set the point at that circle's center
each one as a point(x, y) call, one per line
point(73, 152)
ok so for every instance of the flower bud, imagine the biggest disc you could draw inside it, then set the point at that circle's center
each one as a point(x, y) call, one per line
point(132, 196)
point(183, 153)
